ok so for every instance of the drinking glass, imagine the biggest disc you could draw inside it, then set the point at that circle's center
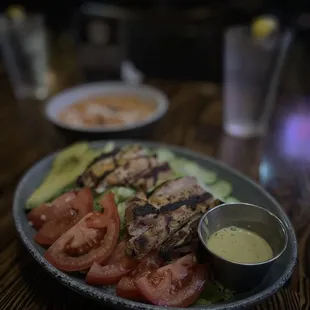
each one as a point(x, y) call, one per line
point(24, 51)
point(251, 74)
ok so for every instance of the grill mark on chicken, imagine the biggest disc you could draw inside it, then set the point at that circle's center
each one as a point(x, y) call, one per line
point(88, 173)
point(142, 241)
point(150, 209)
point(113, 158)
point(144, 210)
point(183, 237)
point(147, 172)
point(136, 227)
point(141, 173)
point(190, 202)
point(127, 175)
point(127, 164)
point(116, 163)
point(154, 173)
point(102, 156)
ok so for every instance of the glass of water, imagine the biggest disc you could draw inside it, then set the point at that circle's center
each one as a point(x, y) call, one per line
point(24, 51)
point(251, 65)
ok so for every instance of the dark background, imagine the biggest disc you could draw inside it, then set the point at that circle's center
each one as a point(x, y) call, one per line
point(176, 39)
point(59, 13)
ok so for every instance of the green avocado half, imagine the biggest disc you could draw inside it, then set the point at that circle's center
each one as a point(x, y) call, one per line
point(66, 167)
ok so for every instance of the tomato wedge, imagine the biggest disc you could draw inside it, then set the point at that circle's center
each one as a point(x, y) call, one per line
point(118, 266)
point(127, 288)
point(55, 218)
point(176, 285)
point(50, 210)
point(53, 229)
point(92, 239)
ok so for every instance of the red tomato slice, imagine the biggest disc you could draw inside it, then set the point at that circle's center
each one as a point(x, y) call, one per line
point(92, 239)
point(119, 253)
point(118, 266)
point(176, 285)
point(76, 200)
point(57, 217)
point(53, 229)
point(127, 288)
point(108, 204)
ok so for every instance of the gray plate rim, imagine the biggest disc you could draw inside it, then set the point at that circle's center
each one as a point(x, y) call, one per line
point(89, 291)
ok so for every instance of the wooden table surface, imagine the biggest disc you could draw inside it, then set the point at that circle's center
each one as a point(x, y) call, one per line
point(279, 161)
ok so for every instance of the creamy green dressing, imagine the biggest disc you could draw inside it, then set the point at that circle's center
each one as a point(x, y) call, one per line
point(239, 245)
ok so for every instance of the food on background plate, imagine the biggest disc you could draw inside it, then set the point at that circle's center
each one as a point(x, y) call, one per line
point(107, 111)
point(128, 217)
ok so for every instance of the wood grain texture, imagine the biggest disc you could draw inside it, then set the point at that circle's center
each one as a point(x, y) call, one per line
point(193, 121)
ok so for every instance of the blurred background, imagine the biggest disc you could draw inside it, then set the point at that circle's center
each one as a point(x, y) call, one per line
point(169, 39)
point(231, 86)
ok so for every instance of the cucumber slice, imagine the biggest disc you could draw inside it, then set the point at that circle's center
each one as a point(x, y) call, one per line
point(203, 175)
point(164, 155)
point(231, 200)
point(110, 146)
point(122, 193)
point(121, 207)
point(177, 166)
point(183, 167)
point(221, 189)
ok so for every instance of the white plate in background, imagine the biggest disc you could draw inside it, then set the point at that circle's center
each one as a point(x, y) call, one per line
point(72, 95)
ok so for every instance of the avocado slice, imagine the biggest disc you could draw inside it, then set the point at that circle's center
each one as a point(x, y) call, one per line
point(67, 166)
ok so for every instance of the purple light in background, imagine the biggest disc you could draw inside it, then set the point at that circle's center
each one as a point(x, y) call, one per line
point(295, 141)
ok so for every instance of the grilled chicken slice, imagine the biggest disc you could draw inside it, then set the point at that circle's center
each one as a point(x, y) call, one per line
point(185, 240)
point(129, 166)
point(135, 227)
point(141, 173)
point(170, 208)
point(181, 186)
point(104, 164)
point(170, 194)
point(181, 240)
point(157, 233)
point(140, 212)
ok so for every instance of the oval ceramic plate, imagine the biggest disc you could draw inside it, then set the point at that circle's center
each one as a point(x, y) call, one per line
point(243, 188)
point(72, 95)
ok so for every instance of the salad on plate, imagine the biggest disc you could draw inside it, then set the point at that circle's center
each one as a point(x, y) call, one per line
point(128, 217)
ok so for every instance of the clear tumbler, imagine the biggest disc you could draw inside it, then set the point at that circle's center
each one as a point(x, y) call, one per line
point(24, 51)
point(249, 69)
